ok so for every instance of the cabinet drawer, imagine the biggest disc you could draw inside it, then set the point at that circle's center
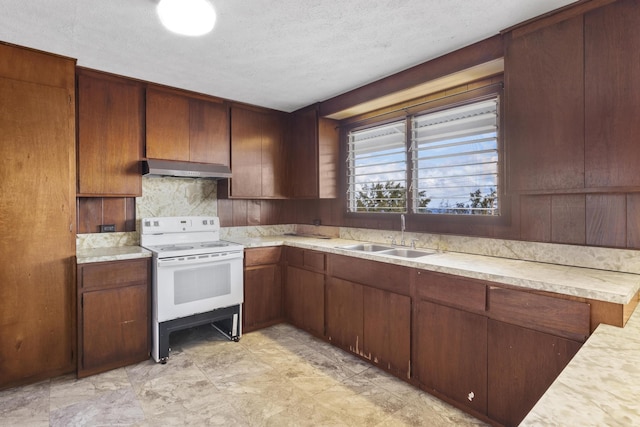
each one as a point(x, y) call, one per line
point(314, 260)
point(556, 316)
point(310, 260)
point(262, 256)
point(454, 291)
point(113, 273)
point(393, 278)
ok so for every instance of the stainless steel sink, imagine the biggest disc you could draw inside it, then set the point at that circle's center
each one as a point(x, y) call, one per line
point(407, 253)
point(388, 250)
point(366, 247)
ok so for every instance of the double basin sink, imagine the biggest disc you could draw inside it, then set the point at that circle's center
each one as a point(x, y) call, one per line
point(388, 250)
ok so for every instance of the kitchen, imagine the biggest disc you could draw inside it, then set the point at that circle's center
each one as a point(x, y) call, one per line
point(560, 195)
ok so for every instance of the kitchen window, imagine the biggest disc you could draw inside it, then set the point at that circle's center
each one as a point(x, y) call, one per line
point(377, 164)
point(438, 161)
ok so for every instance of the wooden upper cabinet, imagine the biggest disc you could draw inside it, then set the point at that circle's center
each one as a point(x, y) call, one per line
point(258, 153)
point(180, 127)
point(167, 126)
point(38, 168)
point(612, 90)
point(544, 86)
point(209, 132)
point(273, 156)
point(246, 152)
point(313, 147)
point(110, 135)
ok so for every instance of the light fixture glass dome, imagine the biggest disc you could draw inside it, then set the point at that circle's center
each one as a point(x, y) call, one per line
point(187, 17)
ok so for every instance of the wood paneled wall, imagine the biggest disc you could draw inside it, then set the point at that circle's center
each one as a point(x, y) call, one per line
point(95, 211)
point(608, 217)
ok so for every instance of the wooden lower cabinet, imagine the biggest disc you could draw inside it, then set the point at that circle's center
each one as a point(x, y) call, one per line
point(262, 288)
point(450, 355)
point(365, 317)
point(387, 330)
point(304, 299)
point(370, 322)
point(522, 364)
point(113, 315)
point(345, 314)
point(490, 350)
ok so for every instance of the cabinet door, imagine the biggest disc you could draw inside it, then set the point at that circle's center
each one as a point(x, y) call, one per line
point(110, 136)
point(544, 83)
point(522, 365)
point(304, 299)
point(328, 149)
point(262, 297)
point(345, 314)
point(167, 126)
point(450, 354)
point(387, 330)
point(209, 132)
point(612, 87)
point(37, 170)
point(313, 151)
point(246, 152)
point(304, 154)
point(273, 169)
point(115, 326)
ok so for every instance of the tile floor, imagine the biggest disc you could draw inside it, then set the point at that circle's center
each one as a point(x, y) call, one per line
point(278, 376)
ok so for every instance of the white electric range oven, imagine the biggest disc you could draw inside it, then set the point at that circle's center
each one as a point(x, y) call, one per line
point(196, 278)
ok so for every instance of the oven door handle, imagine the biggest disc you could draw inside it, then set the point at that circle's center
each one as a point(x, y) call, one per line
point(199, 259)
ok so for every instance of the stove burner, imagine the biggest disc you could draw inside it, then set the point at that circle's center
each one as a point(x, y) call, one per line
point(175, 248)
point(214, 244)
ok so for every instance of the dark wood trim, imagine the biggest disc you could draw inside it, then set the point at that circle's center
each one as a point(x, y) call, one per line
point(569, 191)
point(562, 14)
point(441, 100)
point(462, 59)
point(37, 66)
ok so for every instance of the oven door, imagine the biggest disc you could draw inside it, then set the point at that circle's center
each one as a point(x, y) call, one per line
point(197, 284)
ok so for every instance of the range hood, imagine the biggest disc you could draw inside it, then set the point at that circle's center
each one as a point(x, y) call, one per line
point(185, 169)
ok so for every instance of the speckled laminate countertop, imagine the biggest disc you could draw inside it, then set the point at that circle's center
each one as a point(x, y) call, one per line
point(84, 256)
point(601, 385)
point(615, 287)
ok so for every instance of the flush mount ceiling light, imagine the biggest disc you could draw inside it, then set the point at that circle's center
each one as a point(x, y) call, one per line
point(187, 17)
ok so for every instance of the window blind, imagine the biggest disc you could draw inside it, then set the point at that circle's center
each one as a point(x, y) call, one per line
point(455, 160)
point(377, 169)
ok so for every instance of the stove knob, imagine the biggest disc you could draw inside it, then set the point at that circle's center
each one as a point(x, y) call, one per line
point(204, 222)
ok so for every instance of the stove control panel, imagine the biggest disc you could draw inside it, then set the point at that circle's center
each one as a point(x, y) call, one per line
point(185, 224)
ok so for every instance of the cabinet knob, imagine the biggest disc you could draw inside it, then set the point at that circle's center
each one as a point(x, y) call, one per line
point(470, 396)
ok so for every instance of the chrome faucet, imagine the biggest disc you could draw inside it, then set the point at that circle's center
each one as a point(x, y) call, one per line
point(402, 226)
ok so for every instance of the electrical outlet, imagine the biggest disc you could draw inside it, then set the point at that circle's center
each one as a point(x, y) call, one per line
point(107, 228)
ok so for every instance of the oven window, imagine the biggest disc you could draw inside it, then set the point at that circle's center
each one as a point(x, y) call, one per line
point(199, 283)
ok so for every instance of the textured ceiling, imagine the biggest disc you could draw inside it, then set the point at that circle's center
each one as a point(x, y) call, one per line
point(282, 54)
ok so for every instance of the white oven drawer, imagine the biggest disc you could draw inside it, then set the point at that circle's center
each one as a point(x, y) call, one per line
point(196, 284)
